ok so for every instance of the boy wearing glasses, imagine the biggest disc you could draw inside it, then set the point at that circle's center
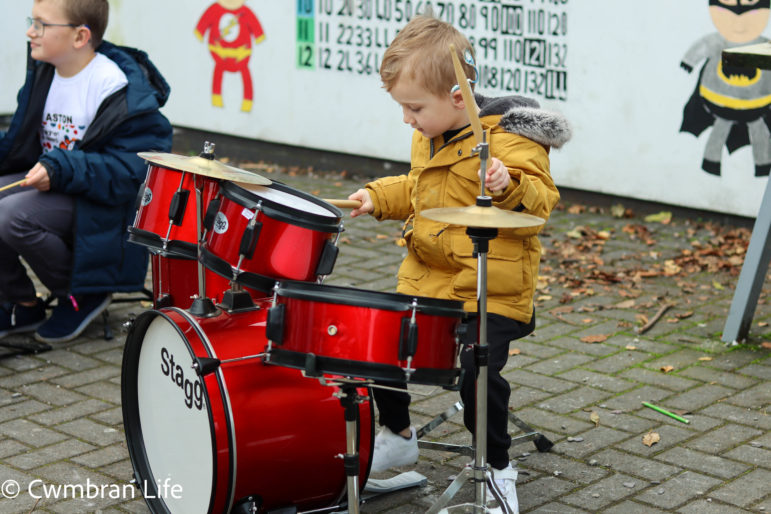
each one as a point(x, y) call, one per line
point(418, 73)
point(87, 107)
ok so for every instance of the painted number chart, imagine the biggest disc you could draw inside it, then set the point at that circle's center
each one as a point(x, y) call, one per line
point(521, 46)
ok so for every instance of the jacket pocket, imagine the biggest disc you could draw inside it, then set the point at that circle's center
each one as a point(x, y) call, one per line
point(505, 272)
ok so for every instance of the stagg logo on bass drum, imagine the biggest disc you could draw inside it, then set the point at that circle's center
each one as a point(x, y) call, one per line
point(193, 389)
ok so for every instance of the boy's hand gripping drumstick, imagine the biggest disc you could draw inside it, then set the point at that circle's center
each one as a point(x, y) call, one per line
point(473, 117)
point(14, 184)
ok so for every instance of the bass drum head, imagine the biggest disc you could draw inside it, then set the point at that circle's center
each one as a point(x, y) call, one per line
point(174, 402)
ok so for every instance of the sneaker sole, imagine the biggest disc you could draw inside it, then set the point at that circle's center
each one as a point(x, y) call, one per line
point(80, 328)
point(22, 330)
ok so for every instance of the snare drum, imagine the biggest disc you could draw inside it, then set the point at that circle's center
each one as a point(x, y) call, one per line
point(274, 231)
point(166, 212)
point(345, 331)
point(238, 432)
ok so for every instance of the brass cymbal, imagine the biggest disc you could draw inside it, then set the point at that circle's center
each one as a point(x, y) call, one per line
point(206, 167)
point(484, 217)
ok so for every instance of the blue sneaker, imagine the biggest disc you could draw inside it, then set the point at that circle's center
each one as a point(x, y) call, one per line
point(16, 318)
point(71, 316)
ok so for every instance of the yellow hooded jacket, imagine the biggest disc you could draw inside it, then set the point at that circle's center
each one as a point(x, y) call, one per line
point(440, 261)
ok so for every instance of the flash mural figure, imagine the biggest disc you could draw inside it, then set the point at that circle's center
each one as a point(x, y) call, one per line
point(735, 102)
point(231, 26)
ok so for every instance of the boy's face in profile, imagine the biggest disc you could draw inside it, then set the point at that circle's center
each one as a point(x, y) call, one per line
point(426, 112)
point(55, 41)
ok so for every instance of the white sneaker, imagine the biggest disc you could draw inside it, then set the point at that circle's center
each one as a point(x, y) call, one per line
point(392, 450)
point(506, 480)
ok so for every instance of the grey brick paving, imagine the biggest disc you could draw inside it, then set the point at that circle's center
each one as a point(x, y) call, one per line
point(61, 419)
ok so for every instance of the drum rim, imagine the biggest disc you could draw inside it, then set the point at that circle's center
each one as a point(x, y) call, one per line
point(342, 295)
point(154, 243)
point(130, 409)
point(242, 196)
point(224, 269)
point(317, 365)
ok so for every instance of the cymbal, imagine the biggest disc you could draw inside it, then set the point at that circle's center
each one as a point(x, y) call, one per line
point(206, 167)
point(484, 217)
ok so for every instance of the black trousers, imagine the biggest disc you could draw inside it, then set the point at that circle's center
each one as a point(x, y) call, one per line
point(394, 406)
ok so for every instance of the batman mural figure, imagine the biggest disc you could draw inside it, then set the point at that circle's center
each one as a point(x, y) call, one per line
point(735, 102)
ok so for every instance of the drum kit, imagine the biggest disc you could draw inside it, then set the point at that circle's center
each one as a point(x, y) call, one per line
point(215, 388)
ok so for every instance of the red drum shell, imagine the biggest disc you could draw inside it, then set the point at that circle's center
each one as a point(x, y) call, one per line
point(152, 220)
point(358, 333)
point(175, 282)
point(296, 227)
point(262, 430)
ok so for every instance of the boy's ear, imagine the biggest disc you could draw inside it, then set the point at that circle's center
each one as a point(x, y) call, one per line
point(457, 98)
point(82, 36)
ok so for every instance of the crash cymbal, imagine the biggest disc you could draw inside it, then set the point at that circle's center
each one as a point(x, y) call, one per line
point(484, 217)
point(202, 166)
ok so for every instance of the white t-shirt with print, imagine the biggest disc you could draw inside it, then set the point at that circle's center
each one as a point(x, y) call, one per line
point(72, 102)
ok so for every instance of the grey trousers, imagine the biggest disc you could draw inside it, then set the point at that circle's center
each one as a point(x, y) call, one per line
point(38, 227)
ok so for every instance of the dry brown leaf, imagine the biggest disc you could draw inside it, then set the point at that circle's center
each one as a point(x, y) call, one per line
point(515, 351)
point(598, 338)
point(595, 418)
point(667, 369)
point(381, 236)
point(587, 320)
point(705, 358)
point(766, 345)
point(762, 324)
point(651, 438)
point(631, 347)
point(626, 304)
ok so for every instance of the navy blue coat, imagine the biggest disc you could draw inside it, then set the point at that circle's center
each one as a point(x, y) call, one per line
point(103, 171)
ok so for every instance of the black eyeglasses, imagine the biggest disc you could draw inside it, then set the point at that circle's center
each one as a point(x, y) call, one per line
point(39, 27)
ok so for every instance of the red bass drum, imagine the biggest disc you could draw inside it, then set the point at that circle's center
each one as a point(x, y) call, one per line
point(236, 434)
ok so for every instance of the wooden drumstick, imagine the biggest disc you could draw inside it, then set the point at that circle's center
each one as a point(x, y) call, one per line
point(468, 96)
point(344, 204)
point(14, 184)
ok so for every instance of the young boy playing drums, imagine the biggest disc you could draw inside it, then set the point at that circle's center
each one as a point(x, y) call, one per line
point(418, 73)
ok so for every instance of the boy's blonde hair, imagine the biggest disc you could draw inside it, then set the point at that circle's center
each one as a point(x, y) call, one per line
point(93, 13)
point(421, 50)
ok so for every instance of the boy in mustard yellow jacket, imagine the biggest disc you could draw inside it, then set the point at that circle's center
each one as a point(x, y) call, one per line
point(418, 73)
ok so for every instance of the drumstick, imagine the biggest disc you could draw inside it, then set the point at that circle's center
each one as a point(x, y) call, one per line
point(345, 204)
point(9, 186)
point(468, 96)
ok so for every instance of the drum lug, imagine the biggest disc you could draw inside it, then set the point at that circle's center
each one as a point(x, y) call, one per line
point(274, 326)
point(211, 213)
point(178, 206)
point(205, 365)
point(327, 260)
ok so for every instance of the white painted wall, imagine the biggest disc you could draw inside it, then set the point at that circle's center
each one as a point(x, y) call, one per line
point(625, 90)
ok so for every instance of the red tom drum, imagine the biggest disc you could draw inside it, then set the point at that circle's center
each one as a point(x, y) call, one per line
point(345, 331)
point(237, 433)
point(166, 210)
point(271, 231)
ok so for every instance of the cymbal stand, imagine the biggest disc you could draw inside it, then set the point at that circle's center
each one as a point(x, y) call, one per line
point(480, 473)
point(202, 306)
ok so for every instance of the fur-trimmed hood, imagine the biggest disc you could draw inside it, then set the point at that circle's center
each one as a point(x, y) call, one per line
point(523, 116)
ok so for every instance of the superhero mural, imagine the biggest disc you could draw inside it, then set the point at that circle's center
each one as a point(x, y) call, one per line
point(735, 102)
point(232, 26)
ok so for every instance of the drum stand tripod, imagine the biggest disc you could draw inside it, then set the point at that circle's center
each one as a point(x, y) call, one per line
point(482, 221)
point(480, 473)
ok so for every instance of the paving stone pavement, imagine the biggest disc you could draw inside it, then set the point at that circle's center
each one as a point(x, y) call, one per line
point(61, 420)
